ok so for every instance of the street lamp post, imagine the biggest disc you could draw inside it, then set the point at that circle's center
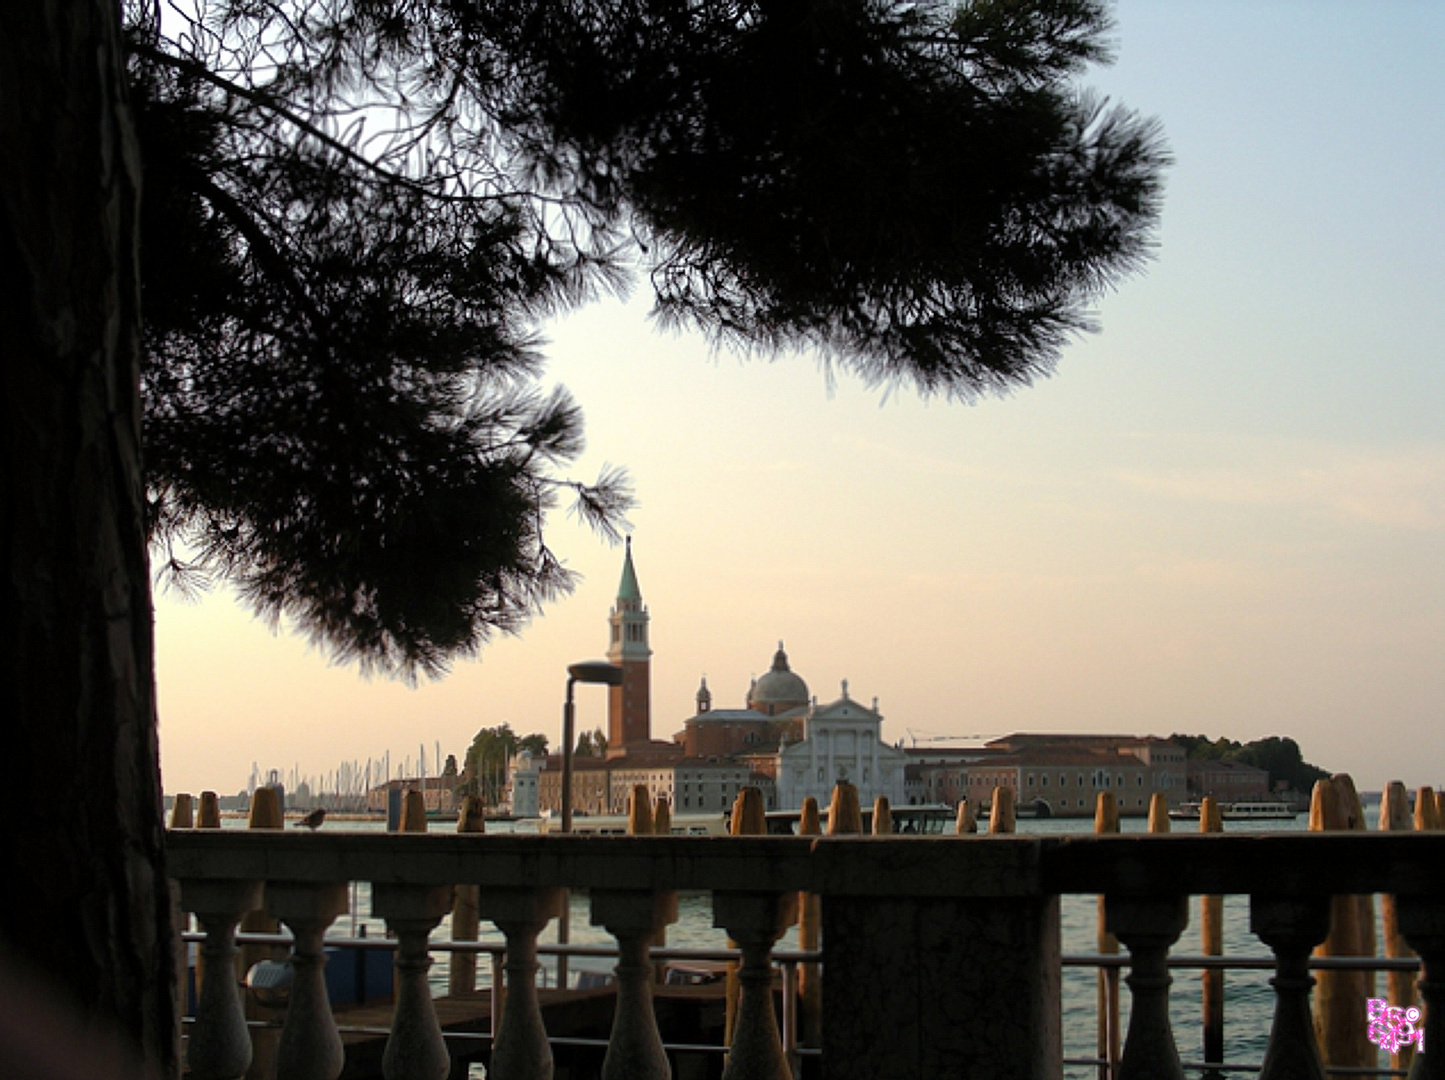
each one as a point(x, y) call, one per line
point(587, 671)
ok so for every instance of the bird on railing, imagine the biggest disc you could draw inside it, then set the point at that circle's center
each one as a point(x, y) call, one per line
point(314, 819)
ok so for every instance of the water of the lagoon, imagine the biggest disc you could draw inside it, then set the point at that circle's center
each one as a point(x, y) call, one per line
point(1249, 1001)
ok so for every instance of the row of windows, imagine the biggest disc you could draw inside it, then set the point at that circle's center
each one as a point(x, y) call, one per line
point(1099, 779)
point(1082, 803)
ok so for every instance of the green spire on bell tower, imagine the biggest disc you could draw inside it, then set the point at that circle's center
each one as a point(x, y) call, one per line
point(629, 710)
point(629, 596)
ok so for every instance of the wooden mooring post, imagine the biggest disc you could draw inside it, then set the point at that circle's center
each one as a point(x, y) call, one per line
point(1342, 997)
point(1395, 816)
point(265, 813)
point(882, 817)
point(1211, 943)
point(413, 812)
point(208, 814)
point(466, 923)
point(1106, 821)
point(966, 821)
point(661, 826)
point(810, 927)
point(1002, 818)
point(183, 812)
point(1158, 813)
point(749, 819)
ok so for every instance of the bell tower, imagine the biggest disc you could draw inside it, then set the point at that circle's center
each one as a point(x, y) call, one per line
point(629, 706)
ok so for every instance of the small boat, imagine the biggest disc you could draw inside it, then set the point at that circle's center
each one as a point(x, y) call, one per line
point(927, 819)
point(1238, 811)
point(1257, 811)
point(616, 825)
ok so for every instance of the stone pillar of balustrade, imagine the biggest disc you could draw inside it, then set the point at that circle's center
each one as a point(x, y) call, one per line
point(634, 918)
point(519, 1044)
point(755, 921)
point(1148, 926)
point(1422, 922)
point(310, 1046)
point(1292, 927)
point(415, 1050)
point(218, 1046)
point(916, 988)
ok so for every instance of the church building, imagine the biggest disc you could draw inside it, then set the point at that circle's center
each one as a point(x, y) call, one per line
point(781, 741)
point(803, 747)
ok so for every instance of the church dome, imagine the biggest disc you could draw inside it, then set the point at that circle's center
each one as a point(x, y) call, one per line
point(780, 689)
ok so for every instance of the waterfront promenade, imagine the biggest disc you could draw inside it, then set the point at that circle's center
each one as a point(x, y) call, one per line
point(942, 956)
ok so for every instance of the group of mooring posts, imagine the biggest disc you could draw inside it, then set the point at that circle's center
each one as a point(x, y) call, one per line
point(1341, 996)
point(412, 962)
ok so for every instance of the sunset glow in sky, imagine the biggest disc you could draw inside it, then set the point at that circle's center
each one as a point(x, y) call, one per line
point(1225, 514)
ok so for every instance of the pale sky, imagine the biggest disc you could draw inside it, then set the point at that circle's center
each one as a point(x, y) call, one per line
point(1225, 514)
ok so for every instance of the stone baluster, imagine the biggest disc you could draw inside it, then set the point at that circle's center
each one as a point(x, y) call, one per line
point(1106, 822)
point(310, 1046)
point(634, 1051)
point(415, 1050)
point(755, 921)
point(1147, 927)
point(519, 1042)
point(219, 1046)
point(1292, 928)
point(1422, 921)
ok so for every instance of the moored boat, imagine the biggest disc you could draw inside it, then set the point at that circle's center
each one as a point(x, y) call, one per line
point(1239, 811)
point(1257, 811)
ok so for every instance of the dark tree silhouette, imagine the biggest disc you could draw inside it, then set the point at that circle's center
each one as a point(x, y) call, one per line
point(356, 211)
point(84, 914)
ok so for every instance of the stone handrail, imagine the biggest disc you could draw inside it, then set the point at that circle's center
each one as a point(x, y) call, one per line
point(941, 954)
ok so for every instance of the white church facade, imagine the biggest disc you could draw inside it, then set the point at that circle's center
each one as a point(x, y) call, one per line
point(841, 742)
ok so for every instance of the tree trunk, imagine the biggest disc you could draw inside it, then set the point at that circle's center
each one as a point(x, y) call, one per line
point(83, 906)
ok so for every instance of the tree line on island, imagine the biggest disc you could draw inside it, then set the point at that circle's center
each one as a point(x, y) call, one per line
point(1280, 757)
point(490, 756)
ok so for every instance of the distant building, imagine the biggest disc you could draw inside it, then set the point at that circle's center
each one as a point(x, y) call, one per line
point(842, 742)
point(781, 742)
point(436, 793)
point(522, 785)
point(1057, 774)
point(1227, 781)
point(940, 774)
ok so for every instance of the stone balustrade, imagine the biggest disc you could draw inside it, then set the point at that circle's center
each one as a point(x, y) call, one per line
point(940, 954)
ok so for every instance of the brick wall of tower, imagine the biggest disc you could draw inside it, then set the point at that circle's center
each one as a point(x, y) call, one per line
point(629, 706)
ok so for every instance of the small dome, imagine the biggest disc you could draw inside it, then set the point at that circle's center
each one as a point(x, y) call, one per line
point(779, 689)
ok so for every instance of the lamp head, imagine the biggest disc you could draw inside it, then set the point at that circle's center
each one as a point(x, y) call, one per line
point(596, 671)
